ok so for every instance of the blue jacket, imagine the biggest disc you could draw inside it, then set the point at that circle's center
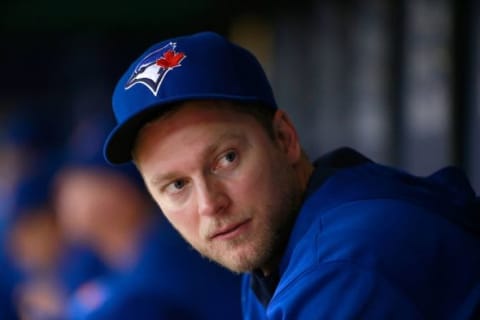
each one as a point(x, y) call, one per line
point(372, 242)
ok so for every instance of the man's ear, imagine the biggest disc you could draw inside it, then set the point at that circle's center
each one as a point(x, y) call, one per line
point(286, 136)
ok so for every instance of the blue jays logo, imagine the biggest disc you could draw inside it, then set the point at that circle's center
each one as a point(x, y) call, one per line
point(154, 67)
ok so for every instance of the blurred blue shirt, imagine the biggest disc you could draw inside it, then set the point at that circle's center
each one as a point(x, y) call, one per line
point(169, 281)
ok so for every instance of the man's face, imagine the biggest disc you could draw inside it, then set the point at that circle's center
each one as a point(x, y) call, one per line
point(221, 180)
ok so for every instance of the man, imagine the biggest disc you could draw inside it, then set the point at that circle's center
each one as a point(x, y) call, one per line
point(341, 238)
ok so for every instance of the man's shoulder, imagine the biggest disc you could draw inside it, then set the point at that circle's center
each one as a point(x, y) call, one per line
point(446, 192)
point(365, 212)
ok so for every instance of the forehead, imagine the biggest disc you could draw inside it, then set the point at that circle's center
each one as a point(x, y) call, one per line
point(194, 122)
point(193, 114)
point(198, 110)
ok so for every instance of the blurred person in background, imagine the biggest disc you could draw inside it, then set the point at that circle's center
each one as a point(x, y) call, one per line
point(39, 268)
point(33, 248)
point(29, 135)
point(28, 239)
point(155, 274)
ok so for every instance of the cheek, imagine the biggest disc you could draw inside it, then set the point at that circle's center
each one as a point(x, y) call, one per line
point(254, 184)
point(181, 215)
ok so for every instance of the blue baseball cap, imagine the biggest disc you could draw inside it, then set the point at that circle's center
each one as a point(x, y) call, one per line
point(83, 150)
point(33, 190)
point(194, 67)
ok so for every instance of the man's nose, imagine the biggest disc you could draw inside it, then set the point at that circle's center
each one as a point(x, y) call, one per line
point(212, 198)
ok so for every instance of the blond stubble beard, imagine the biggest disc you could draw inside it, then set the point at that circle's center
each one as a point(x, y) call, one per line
point(254, 251)
point(244, 253)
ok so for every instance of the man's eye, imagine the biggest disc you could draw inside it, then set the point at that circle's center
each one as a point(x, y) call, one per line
point(179, 184)
point(227, 160)
point(230, 156)
point(176, 186)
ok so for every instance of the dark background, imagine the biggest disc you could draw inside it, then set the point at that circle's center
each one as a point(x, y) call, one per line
point(397, 80)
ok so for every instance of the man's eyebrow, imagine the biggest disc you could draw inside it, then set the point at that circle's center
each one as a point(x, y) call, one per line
point(160, 178)
point(222, 138)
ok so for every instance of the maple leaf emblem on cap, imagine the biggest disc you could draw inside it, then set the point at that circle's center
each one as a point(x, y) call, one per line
point(153, 68)
point(170, 59)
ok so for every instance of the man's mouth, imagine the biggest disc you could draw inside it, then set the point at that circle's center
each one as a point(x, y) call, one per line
point(230, 231)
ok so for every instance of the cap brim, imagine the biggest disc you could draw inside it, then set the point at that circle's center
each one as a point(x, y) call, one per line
point(119, 143)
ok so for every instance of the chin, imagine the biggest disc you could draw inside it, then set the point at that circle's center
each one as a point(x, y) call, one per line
point(238, 266)
point(238, 260)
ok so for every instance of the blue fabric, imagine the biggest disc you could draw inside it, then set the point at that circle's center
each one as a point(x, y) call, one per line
point(78, 265)
point(372, 242)
point(170, 281)
point(9, 278)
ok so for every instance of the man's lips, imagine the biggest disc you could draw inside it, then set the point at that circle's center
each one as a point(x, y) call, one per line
point(230, 231)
